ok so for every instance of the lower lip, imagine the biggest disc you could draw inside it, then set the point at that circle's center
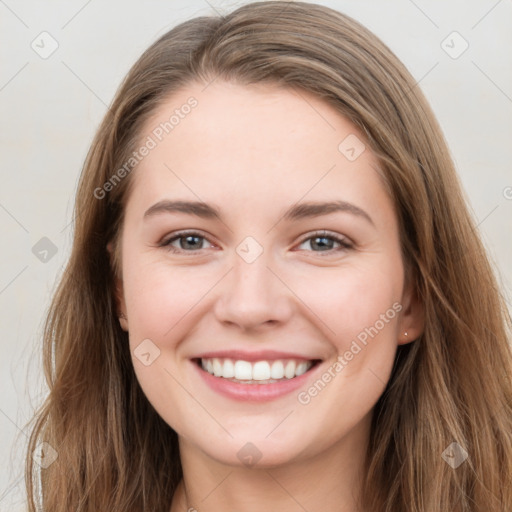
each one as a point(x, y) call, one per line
point(253, 392)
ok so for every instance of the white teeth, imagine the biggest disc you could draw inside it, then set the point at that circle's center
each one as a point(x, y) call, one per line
point(268, 371)
point(217, 368)
point(228, 370)
point(289, 370)
point(243, 370)
point(261, 371)
point(301, 368)
point(277, 370)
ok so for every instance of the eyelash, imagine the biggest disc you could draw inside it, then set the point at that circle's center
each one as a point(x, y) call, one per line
point(344, 243)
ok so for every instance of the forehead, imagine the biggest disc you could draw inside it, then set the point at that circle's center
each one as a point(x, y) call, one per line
point(240, 143)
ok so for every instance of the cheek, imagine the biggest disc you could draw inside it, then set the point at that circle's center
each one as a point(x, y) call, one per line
point(160, 298)
point(347, 301)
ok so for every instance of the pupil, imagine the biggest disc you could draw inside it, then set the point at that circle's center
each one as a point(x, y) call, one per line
point(325, 242)
point(188, 243)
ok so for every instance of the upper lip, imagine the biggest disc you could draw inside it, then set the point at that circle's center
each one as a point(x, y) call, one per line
point(259, 355)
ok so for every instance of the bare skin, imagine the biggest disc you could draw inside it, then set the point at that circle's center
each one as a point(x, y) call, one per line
point(254, 152)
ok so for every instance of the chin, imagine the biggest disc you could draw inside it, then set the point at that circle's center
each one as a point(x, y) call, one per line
point(254, 452)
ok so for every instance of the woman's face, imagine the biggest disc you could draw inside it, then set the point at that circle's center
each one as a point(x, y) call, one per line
point(259, 242)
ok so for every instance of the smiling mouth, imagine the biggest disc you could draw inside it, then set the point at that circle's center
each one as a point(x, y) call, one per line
point(259, 372)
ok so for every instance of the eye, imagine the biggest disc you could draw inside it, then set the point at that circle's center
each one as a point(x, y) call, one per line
point(325, 242)
point(194, 241)
point(188, 241)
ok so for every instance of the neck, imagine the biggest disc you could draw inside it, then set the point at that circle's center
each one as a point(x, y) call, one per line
point(330, 480)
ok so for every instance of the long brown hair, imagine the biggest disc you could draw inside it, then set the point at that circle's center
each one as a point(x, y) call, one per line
point(451, 385)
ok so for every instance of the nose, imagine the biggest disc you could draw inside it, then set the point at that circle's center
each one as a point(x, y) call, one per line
point(253, 296)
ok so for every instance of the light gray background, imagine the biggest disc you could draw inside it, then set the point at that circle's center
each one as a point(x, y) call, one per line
point(51, 107)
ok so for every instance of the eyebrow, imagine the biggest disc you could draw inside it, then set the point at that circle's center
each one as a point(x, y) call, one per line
point(295, 212)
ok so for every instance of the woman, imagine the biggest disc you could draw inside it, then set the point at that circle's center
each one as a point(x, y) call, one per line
point(202, 354)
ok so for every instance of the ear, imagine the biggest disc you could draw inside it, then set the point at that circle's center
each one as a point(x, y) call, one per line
point(119, 294)
point(412, 316)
